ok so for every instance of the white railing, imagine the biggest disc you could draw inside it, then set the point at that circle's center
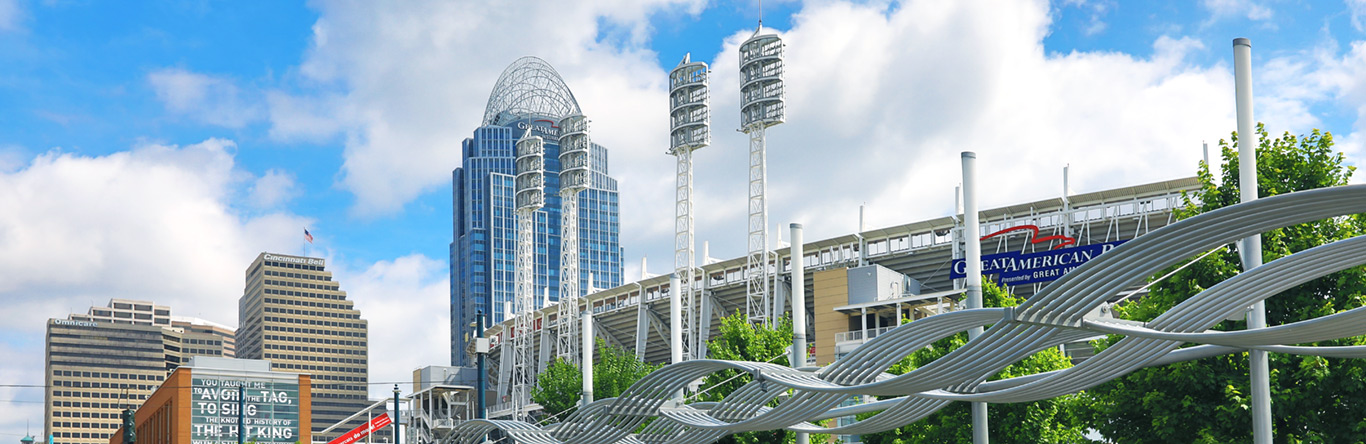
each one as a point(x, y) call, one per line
point(857, 335)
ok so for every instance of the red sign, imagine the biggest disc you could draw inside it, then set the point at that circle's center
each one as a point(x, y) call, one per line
point(374, 425)
point(1034, 238)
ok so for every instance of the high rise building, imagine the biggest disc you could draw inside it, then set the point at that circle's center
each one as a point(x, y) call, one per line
point(97, 368)
point(112, 357)
point(127, 311)
point(529, 96)
point(293, 314)
point(205, 338)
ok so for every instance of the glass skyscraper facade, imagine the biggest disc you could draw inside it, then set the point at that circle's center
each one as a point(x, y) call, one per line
point(529, 97)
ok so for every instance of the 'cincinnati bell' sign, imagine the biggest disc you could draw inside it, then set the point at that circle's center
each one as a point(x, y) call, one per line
point(1016, 268)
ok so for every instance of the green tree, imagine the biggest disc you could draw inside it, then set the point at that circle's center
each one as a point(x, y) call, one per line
point(741, 340)
point(1313, 399)
point(558, 389)
point(1047, 421)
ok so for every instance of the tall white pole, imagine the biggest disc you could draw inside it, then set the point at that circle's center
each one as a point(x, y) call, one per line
point(587, 350)
point(798, 307)
point(676, 323)
point(1252, 245)
point(973, 281)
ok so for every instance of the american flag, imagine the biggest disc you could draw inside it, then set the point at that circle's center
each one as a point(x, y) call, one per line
point(308, 237)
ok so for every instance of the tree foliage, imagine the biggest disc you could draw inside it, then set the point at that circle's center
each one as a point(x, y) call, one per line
point(1048, 421)
point(559, 388)
point(1209, 400)
point(740, 340)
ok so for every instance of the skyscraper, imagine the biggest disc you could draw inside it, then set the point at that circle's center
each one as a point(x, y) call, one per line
point(95, 369)
point(529, 96)
point(112, 357)
point(293, 314)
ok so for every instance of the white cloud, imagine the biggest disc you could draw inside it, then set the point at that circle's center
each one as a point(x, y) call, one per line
point(1237, 8)
point(207, 99)
point(274, 188)
point(1357, 8)
point(406, 301)
point(881, 98)
point(10, 14)
point(152, 223)
point(404, 84)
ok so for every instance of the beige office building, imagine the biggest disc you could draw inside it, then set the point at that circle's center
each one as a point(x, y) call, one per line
point(293, 314)
point(113, 357)
point(95, 369)
point(128, 311)
point(200, 337)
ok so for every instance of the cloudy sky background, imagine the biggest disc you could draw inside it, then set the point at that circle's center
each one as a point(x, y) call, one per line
point(152, 151)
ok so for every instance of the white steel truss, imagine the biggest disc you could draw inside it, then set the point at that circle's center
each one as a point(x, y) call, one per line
point(574, 177)
point(530, 197)
point(761, 106)
point(690, 130)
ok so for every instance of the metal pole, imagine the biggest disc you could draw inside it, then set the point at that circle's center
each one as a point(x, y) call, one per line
point(1252, 245)
point(676, 324)
point(398, 438)
point(587, 346)
point(798, 308)
point(241, 412)
point(481, 409)
point(974, 275)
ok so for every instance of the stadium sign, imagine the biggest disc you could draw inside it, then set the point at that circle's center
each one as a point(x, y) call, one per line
point(540, 127)
point(1017, 268)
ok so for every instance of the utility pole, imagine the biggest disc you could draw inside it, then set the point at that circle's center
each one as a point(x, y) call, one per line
point(973, 281)
point(1252, 245)
point(481, 350)
point(398, 438)
point(241, 412)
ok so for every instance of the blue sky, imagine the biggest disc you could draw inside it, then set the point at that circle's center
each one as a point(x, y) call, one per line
point(151, 150)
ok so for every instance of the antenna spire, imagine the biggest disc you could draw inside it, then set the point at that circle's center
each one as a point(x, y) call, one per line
point(761, 14)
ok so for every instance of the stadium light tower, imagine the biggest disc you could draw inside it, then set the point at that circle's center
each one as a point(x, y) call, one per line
point(530, 196)
point(761, 106)
point(574, 177)
point(689, 130)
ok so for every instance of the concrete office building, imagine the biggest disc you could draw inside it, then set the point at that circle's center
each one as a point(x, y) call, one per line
point(111, 357)
point(95, 369)
point(128, 311)
point(293, 314)
point(529, 96)
point(200, 337)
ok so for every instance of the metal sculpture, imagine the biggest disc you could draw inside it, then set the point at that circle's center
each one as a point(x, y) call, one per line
point(1065, 311)
point(529, 87)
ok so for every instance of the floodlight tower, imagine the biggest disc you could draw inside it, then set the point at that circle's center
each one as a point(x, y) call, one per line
point(761, 106)
point(574, 177)
point(689, 130)
point(529, 197)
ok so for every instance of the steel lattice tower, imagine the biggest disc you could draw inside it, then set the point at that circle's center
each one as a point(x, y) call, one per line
point(575, 149)
point(761, 106)
point(530, 197)
point(690, 130)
